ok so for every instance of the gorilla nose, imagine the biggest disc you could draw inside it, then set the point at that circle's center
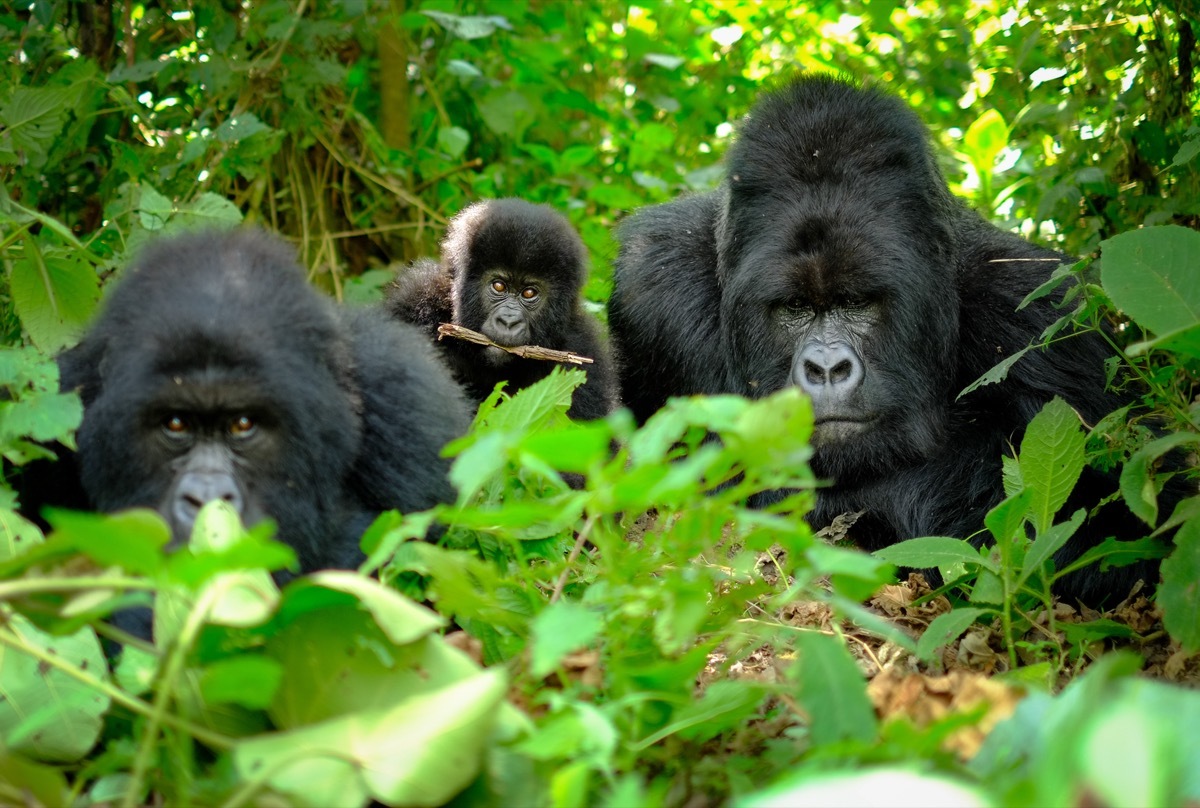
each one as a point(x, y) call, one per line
point(198, 488)
point(828, 371)
point(511, 321)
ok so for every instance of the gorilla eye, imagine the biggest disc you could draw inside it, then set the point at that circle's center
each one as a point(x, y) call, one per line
point(529, 293)
point(242, 426)
point(499, 286)
point(797, 306)
point(175, 426)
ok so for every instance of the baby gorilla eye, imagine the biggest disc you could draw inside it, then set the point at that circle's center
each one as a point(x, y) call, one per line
point(175, 426)
point(529, 293)
point(499, 286)
point(242, 426)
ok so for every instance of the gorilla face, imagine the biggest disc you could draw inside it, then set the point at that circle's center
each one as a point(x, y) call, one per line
point(181, 419)
point(508, 305)
point(836, 289)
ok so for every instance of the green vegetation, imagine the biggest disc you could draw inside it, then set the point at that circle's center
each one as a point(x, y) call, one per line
point(648, 639)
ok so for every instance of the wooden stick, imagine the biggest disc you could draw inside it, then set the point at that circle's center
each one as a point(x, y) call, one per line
point(524, 351)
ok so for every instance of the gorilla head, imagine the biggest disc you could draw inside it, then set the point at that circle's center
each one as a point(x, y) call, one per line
point(834, 256)
point(216, 372)
point(513, 271)
point(517, 268)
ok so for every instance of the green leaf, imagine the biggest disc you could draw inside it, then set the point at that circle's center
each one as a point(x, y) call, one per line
point(453, 140)
point(723, 706)
point(1007, 519)
point(207, 211)
point(932, 551)
point(1046, 544)
point(985, 139)
point(54, 292)
point(400, 619)
point(558, 630)
point(469, 27)
point(508, 113)
point(1137, 484)
point(1051, 459)
point(249, 680)
point(420, 751)
point(33, 117)
point(1179, 595)
point(17, 534)
point(132, 540)
point(154, 209)
point(946, 628)
point(832, 690)
point(240, 127)
point(45, 713)
point(1150, 274)
point(998, 373)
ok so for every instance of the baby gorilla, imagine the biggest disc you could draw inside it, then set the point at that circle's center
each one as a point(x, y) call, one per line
point(513, 271)
point(217, 372)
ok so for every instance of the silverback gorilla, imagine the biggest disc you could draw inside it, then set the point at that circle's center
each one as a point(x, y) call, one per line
point(834, 257)
point(217, 372)
point(513, 271)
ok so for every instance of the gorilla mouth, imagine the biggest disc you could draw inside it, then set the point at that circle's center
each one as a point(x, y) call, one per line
point(838, 428)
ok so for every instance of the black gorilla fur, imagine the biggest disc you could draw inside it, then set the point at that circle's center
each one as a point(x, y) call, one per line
point(522, 247)
point(835, 257)
point(217, 371)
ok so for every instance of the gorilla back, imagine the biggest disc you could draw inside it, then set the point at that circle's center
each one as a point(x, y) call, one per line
point(216, 372)
point(834, 257)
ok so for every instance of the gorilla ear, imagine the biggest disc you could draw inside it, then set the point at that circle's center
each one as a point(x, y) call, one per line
point(82, 368)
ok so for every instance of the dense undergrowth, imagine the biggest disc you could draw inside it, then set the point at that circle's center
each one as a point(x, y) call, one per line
point(647, 639)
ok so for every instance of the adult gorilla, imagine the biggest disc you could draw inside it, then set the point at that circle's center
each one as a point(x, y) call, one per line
point(834, 258)
point(216, 372)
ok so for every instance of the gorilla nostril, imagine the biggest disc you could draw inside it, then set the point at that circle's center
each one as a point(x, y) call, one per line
point(814, 373)
point(841, 372)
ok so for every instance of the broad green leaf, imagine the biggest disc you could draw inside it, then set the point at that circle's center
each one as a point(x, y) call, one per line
point(1137, 485)
point(723, 706)
point(469, 27)
point(400, 619)
point(44, 713)
point(207, 211)
point(17, 534)
point(1051, 458)
point(154, 209)
point(420, 751)
point(23, 782)
point(132, 540)
point(1186, 342)
point(249, 680)
point(558, 630)
point(54, 292)
point(1047, 543)
point(832, 690)
point(932, 551)
point(33, 117)
point(946, 628)
point(453, 140)
point(985, 139)
point(508, 113)
point(1179, 595)
point(240, 127)
point(1122, 773)
point(1007, 519)
point(1150, 274)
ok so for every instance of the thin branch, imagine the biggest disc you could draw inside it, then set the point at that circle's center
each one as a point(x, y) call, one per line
point(524, 351)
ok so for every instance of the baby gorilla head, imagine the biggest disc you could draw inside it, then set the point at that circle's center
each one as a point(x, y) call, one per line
point(517, 270)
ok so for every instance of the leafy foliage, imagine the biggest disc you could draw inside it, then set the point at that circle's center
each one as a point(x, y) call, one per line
point(646, 638)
